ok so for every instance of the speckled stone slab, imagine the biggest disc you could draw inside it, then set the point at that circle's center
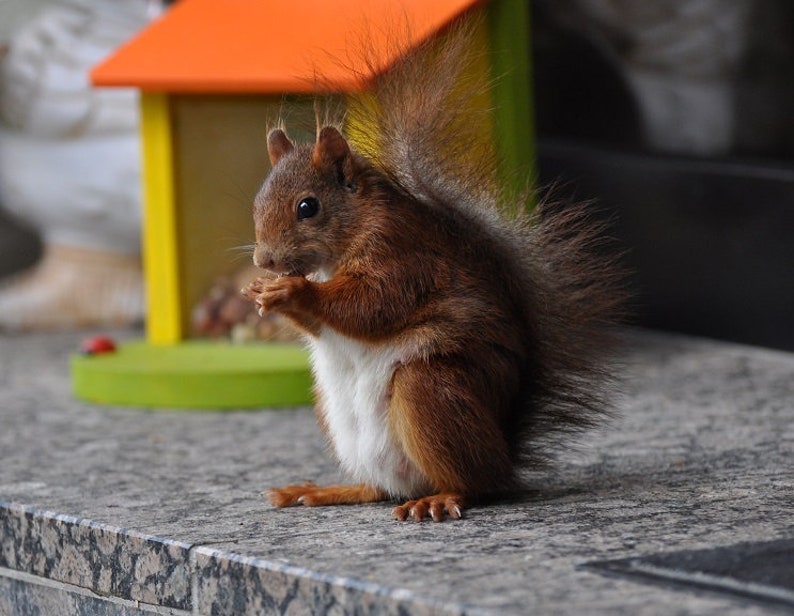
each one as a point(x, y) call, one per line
point(162, 511)
point(109, 560)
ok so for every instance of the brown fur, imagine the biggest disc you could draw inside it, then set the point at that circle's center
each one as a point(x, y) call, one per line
point(507, 314)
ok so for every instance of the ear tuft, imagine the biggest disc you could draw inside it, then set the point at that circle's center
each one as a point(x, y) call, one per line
point(331, 148)
point(278, 144)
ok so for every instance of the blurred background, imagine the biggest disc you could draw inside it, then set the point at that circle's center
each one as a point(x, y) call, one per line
point(70, 188)
point(673, 116)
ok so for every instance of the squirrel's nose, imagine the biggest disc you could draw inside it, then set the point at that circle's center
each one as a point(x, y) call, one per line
point(263, 258)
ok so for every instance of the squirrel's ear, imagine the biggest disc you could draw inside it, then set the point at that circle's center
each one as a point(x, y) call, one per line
point(278, 144)
point(331, 148)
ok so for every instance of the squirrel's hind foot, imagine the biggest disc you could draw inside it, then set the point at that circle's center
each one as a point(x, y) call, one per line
point(437, 507)
point(311, 495)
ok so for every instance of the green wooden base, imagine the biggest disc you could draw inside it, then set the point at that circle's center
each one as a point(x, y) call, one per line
point(195, 374)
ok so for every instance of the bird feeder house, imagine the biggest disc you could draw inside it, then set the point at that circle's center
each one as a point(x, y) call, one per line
point(213, 76)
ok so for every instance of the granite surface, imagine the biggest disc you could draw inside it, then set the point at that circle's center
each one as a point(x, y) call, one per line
point(120, 511)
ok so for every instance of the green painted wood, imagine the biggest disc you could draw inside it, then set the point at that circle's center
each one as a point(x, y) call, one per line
point(195, 375)
point(509, 27)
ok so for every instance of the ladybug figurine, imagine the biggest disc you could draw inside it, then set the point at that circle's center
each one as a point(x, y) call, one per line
point(97, 345)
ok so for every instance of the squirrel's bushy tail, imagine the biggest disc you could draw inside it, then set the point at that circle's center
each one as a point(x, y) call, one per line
point(418, 125)
point(426, 122)
point(576, 297)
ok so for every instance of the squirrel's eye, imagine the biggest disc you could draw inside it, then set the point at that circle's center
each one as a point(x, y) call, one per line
point(308, 207)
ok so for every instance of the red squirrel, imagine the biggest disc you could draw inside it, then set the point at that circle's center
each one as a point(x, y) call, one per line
point(453, 335)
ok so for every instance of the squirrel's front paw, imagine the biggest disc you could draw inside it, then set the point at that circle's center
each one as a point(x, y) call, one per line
point(275, 293)
point(254, 288)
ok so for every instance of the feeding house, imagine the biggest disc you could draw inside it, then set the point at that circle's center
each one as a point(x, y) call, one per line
point(212, 75)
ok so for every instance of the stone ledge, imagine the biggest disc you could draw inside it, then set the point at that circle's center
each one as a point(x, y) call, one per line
point(65, 563)
point(22, 593)
point(106, 560)
point(162, 512)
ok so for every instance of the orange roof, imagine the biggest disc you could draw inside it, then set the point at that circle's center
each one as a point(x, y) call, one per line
point(268, 46)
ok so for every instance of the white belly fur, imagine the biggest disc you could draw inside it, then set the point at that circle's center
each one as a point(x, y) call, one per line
point(354, 378)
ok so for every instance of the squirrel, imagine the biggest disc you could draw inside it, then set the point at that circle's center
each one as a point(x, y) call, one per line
point(454, 334)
